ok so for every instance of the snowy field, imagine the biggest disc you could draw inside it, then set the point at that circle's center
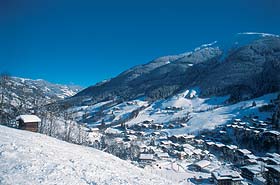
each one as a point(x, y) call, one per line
point(28, 158)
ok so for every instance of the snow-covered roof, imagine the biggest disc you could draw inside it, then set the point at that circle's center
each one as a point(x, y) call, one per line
point(210, 143)
point(237, 120)
point(197, 151)
point(146, 157)
point(231, 147)
point(251, 156)
point(162, 155)
point(29, 118)
point(188, 151)
point(244, 151)
point(94, 129)
point(255, 169)
point(227, 174)
point(219, 145)
point(274, 132)
point(202, 163)
point(189, 136)
point(112, 131)
point(166, 142)
point(274, 167)
point(188, 146)
point(273, 155)
point(274, 160)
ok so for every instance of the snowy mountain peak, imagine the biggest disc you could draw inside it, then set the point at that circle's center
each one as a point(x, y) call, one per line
point(259, 34)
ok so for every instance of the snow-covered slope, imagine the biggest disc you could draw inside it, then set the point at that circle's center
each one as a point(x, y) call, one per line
point(186, 107)
point(204, 113)
point(30, 158)
point(49, 89)
point(22, 96)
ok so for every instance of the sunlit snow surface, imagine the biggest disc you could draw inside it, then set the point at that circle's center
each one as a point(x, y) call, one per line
point(28, 158)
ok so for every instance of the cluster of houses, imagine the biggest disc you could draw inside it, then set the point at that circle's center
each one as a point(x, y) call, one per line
point(199, 152)
point(150, 124)
point(259, 170)
point(155, 145)
point(256, 132)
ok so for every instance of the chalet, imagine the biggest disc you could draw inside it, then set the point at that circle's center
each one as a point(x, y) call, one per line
point(171, 126)
point(250, 162)
point(113, 132)
point(183, 125)
point(237, 120)
point(140, 133)
point(148, 122)
point(144, 126)
point(147, 158)
point(181, 138)
point(161, 155)
point(240, 155)
point(93, 135)
point(164, 148)
point(251, 171)
point(188, 146)
point(173, 138)
point(156, 126)
point(28, 122)
point(200, 165)
point(228, 126)
point(262, 159)
point(250, 156)
point(188, 153)
point(273, 161)
point(155, 133)
point(242, 124)
point(132, 132)
point(181, 155)
point(188, 138)
point(218, 147)
point(224, 177)
point(228, 151)
point(176, 146)
point(209, 144)
point(129, 138)
point(96, 130)
point(199, 141)
point(259, 180)
point(118, 140)
point(197, 153)
point(272, 136)
point(167, 143)
point(273, 174)
point(143, 148)
point(272, 155)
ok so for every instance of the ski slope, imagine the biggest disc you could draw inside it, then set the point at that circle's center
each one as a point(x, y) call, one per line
point(205, 113)
point(28, 158)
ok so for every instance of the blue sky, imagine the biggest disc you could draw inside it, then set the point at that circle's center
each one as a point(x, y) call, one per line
point(86, 41)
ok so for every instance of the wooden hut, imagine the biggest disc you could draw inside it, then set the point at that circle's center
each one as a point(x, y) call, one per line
point(28, 122)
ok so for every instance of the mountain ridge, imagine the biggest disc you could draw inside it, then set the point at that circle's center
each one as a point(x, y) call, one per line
point(204, 68)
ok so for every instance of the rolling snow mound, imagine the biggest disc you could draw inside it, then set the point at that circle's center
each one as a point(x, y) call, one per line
point(31, 158)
